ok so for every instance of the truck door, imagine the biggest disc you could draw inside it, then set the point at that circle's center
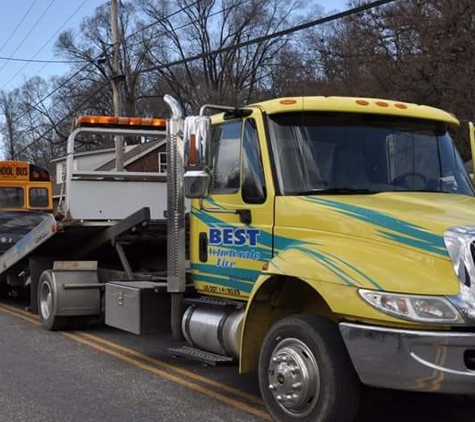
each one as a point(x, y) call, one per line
point(232, 232)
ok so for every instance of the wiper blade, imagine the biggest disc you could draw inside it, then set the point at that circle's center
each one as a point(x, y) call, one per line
point(338, 191)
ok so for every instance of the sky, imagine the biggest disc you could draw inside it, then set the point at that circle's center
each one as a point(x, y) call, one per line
point(30, 28)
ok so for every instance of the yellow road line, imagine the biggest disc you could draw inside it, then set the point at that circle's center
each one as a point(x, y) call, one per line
point(156, 361)
point(19, 314)
point(174, 378)
point(175, 368)
point(92, 341)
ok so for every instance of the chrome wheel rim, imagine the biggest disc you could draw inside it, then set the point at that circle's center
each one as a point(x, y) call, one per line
point(46, 301)
point(294, 377)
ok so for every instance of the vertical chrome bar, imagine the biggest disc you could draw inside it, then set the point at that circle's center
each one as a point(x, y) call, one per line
point(176, 200)
point(176, 238)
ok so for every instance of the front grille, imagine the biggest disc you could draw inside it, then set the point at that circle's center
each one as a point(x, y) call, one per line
point(467, 280)
point(472, 250)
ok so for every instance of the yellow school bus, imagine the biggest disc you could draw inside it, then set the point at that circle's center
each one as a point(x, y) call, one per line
point(24, 187)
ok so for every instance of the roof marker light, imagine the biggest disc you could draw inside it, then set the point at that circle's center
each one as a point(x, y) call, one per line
point(288, 101)
point(362, 102)
point(401, 106)
point(382, 104)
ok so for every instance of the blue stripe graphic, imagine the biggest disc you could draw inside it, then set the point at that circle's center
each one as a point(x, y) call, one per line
point(406, 233)
point(220, 276)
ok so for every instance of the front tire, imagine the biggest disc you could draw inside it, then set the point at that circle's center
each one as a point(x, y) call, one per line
point(305, 373)
point(46, 304)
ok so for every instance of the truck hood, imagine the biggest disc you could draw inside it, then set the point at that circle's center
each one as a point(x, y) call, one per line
point(409, 219)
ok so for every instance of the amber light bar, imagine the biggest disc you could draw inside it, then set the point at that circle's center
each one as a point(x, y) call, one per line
point(111, 121)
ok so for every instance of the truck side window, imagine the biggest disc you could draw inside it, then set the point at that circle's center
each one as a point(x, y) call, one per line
point(226, 172)
point(253, 184)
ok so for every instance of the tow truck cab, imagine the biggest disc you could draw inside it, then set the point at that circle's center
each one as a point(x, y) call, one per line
point(346, 225)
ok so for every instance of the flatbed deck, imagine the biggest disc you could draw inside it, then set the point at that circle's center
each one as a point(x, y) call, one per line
point(16, 224)
point(74, 240)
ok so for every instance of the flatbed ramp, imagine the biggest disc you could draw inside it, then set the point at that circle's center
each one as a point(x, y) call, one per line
point(47, 228)
point(16, 224)
point(75, 239)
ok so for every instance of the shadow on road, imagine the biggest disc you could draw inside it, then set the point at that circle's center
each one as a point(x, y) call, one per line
point(396, 406)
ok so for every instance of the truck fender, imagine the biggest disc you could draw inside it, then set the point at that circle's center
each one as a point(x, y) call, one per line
point(273, 298)
point(73, 285)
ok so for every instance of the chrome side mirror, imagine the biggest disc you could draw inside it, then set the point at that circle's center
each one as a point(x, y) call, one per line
point(197, 143)
point(196, 184)
point(197, 157)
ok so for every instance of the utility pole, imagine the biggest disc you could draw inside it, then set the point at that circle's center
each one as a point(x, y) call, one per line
point(116, 79)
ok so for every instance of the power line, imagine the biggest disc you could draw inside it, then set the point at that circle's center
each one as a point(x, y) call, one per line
point(18, 24)
point(69, 79)
point(11, 59)
point(40, 137)
point(45, 44)
point(56, 90)
point(32, 60)
point(182, 26)
point(327, 19)
point(287, 31)
point(77, 73)
point(170, 16)
point(87, 63)
point(29, 32)
point(284, 32)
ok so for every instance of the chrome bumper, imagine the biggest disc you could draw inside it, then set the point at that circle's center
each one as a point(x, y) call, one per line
point(412, 360)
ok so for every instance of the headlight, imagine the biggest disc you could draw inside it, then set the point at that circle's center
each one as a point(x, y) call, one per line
point(425, 309)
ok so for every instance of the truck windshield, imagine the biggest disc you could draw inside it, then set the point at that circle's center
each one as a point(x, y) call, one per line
point(344, 153)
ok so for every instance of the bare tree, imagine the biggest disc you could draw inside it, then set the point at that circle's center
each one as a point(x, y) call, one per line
point(417, 50)
point(413, 50)
point(210, 32)
point(10, 129)
point(93, 49)
point(29, 128)
point(202, 52)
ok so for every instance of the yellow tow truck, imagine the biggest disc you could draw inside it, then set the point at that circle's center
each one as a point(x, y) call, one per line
point(331, 243)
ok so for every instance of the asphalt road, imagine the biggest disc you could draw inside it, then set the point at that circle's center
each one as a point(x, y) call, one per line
point(47, 376)
point(103, 374)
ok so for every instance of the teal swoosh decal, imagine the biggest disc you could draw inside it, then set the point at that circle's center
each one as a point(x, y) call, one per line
point(210, 273)
point(328, 264)
point(327, 260)
point(406, 233)
point(357, 270)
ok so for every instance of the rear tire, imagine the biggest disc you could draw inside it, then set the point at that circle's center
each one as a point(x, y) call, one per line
point(305, 373)
point(46, 304)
